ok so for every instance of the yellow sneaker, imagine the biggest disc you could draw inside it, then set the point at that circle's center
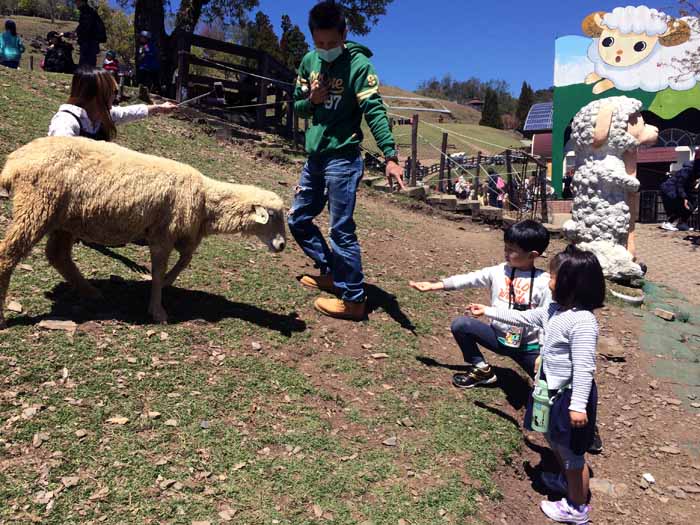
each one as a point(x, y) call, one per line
point(339, 309)
point(319, 282)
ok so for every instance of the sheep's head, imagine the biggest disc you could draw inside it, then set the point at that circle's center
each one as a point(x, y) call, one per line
point(247, 210)
point(629, 35)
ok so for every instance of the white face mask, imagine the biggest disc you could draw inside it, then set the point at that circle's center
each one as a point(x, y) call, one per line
point(329, 55)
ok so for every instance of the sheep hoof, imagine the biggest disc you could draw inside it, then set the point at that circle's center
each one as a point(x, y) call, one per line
point(159, 315)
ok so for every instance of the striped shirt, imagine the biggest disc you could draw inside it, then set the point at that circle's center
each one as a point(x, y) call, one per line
point(568, 354)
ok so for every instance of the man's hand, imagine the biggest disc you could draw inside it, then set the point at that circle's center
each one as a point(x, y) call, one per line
point(426, 286)
point(319, 92)
point(578, 419)
point(477, 310)
point(394, 171)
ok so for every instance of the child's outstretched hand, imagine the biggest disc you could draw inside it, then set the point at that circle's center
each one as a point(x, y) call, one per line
point(578, 419)
point(424, 286)
point(477, 310)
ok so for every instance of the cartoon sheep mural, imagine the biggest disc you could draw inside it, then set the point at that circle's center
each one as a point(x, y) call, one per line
point(637, 47)
point(73, 188)
point(606, 134)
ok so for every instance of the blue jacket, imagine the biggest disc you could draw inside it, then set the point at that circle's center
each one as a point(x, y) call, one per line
point(11, 47)
point(148, 59)
point(682, 182)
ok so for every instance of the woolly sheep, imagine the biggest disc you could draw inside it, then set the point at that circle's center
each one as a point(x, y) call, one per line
point(72, 188)
point(606, 134)
point(635, 47)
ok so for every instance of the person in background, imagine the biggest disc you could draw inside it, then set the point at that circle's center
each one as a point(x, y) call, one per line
point(11, 46)
point(675, 195)
point(111, 64)
point(90, 32)
point(147, 63)
point(59, 54)
point(89, 111)
point(461, 188)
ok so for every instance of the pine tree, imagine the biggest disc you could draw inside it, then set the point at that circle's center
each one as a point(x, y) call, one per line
point(491, 114)
point(262, 36)
point(525, 102)
point(292, 44)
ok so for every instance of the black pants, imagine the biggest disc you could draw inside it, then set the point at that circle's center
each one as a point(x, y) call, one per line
point(675, 210)
point(150, 79)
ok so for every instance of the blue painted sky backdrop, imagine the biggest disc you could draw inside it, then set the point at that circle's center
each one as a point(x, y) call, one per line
point(511, 40)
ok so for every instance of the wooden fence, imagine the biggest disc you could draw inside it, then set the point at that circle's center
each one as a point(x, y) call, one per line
point(254, 82)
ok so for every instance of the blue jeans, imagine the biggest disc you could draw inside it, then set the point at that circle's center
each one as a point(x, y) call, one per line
point(88, 53)
point(468, 331)
point(335, 181)
point(13, 64)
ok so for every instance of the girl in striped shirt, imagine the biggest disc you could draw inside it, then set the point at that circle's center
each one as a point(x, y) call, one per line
point(568, 366)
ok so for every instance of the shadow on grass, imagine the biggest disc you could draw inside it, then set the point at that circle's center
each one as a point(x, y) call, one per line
point(127, 301)
point(378, 298)
point(514, 386)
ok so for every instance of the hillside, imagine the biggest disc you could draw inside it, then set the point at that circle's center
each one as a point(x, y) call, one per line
point(30, 28)
point(466, 134)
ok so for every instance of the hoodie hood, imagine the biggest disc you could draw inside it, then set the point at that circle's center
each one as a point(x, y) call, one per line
point(357, 49)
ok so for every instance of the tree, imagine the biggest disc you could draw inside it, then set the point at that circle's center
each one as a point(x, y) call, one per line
point(363, 14)
point(491, 114)
point(262, 36)
point(292, 44)
point(525, 101)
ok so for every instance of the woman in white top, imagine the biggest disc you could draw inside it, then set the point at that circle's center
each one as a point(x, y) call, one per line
point(89, 112)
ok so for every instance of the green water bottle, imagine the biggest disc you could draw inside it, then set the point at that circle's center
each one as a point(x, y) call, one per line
point(540, 406)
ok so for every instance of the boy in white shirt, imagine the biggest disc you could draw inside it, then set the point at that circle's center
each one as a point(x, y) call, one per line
point(515, 284)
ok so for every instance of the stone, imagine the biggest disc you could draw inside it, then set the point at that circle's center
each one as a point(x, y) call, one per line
point(648, 478)
point(417, 193)
point(664, 314)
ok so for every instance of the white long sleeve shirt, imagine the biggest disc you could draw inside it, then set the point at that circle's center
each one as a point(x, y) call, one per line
point(498, 280)
point(568, 355)
point(64, 125)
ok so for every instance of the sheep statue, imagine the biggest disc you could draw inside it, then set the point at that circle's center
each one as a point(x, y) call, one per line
point(606, 134)
point(636, 47)
point(72, 188)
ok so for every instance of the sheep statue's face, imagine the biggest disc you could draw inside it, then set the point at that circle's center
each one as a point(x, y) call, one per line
point(269, 227)
point(646, 134)
point(623, 50)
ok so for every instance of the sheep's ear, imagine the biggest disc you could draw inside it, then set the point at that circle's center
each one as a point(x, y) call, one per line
point(261, 215)
point(678, 33)
point(592, 25)
point(602, 125)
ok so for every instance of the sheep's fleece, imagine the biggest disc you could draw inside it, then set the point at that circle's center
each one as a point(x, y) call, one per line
point(600, 216)
point(73, 188)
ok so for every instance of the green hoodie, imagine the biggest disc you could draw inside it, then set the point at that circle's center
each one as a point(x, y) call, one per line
point(354, 91)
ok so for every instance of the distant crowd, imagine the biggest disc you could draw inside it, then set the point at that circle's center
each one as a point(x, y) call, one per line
point(89, 35)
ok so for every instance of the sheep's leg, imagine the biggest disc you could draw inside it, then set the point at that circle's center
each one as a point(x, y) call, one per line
point(58, 252)
point(26, 229)
point(592, 78)
point(159, 264)
point(602, 87)
point(182, 263)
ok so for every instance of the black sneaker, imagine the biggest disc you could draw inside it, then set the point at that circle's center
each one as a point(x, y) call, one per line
point(597, 445)
point(475, 377)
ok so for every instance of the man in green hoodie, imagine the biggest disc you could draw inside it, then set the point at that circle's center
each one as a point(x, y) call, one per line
point(336, 85)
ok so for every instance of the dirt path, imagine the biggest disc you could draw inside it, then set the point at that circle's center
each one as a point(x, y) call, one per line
point(646, 426)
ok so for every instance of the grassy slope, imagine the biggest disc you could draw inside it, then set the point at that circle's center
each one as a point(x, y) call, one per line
point(464, 121)
point(260, 432)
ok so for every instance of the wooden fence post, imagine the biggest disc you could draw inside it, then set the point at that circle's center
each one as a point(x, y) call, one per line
point(477, 186)
point(31, 62)
point(414, 150)
point(443, 159)
point(542, 176)
point(509, 171)
point(183, 66)
point(263, 70)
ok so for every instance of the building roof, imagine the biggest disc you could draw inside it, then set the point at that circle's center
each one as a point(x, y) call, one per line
point(651, 155)
point(540, 117)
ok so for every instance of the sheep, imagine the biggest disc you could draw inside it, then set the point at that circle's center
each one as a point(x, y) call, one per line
point(635, 47)
point(606, 134)
point(73, 188)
